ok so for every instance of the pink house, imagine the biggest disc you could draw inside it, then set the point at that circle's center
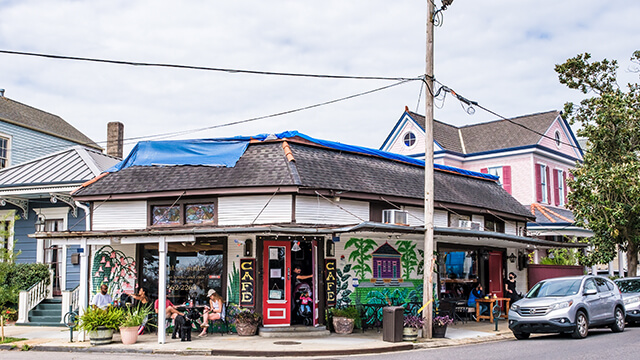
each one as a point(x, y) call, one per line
point(532, 154)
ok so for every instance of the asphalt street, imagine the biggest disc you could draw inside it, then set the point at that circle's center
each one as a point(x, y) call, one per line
point(600, 344)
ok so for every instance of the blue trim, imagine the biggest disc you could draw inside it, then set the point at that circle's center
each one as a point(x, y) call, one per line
point(395, 127)
point(575, 140)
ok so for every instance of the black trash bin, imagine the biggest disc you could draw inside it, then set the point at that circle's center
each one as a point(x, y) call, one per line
point(392, 323)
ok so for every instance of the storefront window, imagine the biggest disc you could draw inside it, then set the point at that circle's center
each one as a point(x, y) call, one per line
point(458, 272)
point(192, 269)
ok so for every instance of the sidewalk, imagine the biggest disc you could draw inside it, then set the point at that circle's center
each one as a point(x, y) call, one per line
point(370, 342)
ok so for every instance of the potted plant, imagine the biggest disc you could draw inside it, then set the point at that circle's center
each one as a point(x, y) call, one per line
point(344, 319)
point(100, 324)
point(132, 319)
point(412, 323)
point(247, 321)
point(439, 325)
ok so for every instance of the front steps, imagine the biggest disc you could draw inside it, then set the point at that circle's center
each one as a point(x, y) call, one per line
point(47, 313)
point(294, 331)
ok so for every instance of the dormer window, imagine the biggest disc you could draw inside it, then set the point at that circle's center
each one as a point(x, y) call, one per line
point(409, 139)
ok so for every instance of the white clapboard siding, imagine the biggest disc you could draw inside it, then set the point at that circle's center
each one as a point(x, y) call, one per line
point(243, 210)
point(440, 218)
point(120, 215)
point(415, 216)
point(317, 210)
point(510, 228)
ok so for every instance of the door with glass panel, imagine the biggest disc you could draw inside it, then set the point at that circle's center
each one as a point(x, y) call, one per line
point(52, 255)
point(277, 283)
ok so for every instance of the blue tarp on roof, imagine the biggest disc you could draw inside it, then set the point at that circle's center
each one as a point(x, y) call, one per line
point(227, 151)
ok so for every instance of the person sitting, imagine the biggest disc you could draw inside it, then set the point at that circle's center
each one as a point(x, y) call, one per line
point(102, 300)
point(141, 298)
point(212, 310)
point(305, 300)
point(171, 311)
point(477, 293)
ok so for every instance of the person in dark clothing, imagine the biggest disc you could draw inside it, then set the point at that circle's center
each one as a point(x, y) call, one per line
point(510, 288)
point(477, 293)
point(298, 277)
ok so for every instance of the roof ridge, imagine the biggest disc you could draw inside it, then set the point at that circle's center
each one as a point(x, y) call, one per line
point(510, 119)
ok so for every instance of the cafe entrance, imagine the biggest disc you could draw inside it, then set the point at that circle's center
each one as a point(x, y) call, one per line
point(290, 284)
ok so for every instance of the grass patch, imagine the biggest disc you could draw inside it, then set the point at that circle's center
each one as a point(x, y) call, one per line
point(9, 339)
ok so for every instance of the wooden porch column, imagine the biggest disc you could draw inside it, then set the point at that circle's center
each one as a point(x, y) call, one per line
point(162, 289)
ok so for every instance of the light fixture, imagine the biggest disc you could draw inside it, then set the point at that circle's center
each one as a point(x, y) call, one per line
point(40, 222)
point(248, 248)
point(512, 258)
point(331, 250)
point(296, 246)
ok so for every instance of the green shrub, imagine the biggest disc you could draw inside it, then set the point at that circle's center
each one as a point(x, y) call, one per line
point(16, 277)
point(92, 319)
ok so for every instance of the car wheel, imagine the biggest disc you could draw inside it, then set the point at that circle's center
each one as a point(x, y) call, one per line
point(521, 336)
point(582, 326)
point(618, 325)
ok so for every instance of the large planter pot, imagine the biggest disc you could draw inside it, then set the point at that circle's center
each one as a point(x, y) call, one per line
point(245, 329)
point(438, 331)
point(129, 335)
point(409, 334)
point(343, 325)
point(101, 336)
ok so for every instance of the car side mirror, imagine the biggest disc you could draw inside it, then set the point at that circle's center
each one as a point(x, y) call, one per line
point(590, 292)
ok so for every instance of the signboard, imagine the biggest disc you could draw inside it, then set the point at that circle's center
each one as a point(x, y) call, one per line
point(330, 281)
point(247, 282)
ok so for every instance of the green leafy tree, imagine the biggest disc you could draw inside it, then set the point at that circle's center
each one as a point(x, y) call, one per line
point(408, 257)
point(6, 254)
point(361, 255)
point(606, 186)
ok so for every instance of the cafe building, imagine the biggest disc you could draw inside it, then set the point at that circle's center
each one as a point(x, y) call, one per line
point(264, 219)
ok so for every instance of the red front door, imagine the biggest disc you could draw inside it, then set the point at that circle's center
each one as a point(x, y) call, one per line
point(495, 273)
point(277, 283)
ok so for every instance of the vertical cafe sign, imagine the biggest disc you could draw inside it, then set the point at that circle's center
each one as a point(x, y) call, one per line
point(247, 282)
point(330, 281)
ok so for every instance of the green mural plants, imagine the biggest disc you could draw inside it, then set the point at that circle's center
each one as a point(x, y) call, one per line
point(342, 286)
point(233, 292)
point(408, 258)
point(361, 255)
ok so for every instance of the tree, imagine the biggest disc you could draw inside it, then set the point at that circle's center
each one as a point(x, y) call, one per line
point(606, 186)
point(361, 255)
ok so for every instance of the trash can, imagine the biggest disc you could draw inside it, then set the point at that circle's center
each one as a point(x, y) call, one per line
point(392, 323)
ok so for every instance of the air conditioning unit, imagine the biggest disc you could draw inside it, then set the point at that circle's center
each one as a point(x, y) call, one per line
point(393, 216)
point(468, 224)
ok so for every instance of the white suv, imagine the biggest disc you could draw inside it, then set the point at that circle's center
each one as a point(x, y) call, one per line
point(568, 305)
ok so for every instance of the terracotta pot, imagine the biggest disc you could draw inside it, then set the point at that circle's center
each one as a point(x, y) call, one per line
point(343, 325)
point(439, 331)
point(129, 335)
point(409, 334)
point(244, 329)
point(101, 336)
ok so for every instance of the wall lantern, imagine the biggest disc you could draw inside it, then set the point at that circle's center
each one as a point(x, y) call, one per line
point(40, 222)
point(248, 248)
point(331, 248)
point(512, 258)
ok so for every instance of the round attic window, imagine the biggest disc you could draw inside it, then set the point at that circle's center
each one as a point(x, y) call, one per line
point(557, 137)
point(409, 139)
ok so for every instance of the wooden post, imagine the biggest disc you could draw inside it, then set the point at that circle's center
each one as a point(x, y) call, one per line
point(427, 298)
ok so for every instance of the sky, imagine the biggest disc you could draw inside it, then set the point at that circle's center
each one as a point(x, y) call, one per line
point(498, 53)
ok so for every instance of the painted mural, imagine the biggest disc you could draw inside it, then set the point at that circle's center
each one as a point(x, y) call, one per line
point(114, 268)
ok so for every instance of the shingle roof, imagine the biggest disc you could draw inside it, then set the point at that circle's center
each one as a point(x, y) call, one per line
point(72, 166)
point(386, 249)
point(315, 167)
point(23, 115)
point(493, 135)
point(551, 215)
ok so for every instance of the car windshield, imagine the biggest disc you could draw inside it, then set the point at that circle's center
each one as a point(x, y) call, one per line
point(555, 288)
point(629, 286)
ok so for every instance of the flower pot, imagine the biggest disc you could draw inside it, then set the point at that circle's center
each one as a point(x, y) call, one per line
point(439, 331)
point(101, 336)
point(409, 334)
point(129, 335)
point(246, 329)
point(343, 325)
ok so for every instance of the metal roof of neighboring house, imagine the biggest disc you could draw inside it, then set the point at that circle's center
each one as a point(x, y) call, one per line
point(493, 135)
point(75, 165)
point(297, 162)
point(29, 117)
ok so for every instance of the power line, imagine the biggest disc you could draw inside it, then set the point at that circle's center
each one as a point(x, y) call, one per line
point(205, 68)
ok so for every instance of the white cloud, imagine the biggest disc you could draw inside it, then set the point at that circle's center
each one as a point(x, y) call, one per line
point(500, 53)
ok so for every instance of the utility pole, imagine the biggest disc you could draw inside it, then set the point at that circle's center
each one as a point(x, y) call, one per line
point(427, 289)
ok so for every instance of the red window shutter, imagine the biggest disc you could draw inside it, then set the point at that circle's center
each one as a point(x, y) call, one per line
point(556, 188)
point(506, 178)
point(538, 183)
point(564, 186)
point(548, 185)
point(484, 170)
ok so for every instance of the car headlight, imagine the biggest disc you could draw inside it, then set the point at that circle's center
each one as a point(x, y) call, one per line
point(515, 307)
point(631, 300)
point(561, 305)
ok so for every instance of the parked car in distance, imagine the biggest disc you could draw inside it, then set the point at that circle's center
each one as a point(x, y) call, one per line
point(568, 305)
point(630, 288)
